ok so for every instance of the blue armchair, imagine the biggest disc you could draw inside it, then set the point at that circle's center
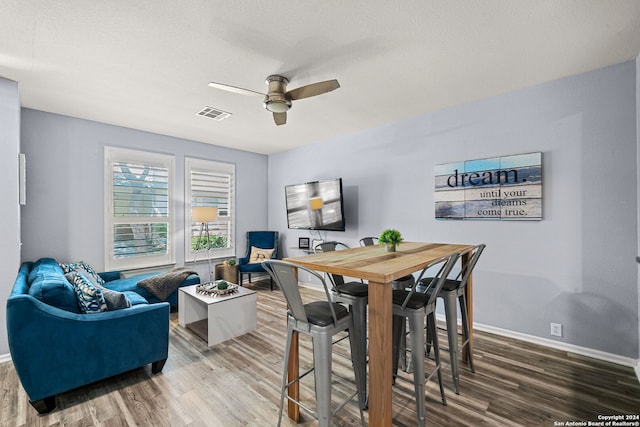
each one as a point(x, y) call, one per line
point(262, 240)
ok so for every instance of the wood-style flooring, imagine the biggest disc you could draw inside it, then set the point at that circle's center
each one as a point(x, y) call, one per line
point(236, 383)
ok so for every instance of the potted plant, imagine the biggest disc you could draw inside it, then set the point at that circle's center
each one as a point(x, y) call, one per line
point(228, 271)
point(390, 237)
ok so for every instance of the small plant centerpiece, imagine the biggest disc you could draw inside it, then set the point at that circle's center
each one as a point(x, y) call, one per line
point(390, 237)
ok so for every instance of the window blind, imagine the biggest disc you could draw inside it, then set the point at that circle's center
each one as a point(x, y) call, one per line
point(211, 184)
point(138, 224)
point(213, 189)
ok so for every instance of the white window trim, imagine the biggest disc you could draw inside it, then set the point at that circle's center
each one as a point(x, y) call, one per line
point(115, 154)
point(207, 166)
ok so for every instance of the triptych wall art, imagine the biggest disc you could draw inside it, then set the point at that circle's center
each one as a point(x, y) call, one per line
point(504, 188)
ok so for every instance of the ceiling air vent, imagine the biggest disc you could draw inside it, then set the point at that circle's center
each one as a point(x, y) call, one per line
point(213, 113)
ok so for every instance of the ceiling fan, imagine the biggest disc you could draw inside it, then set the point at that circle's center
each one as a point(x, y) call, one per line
point(278, 99)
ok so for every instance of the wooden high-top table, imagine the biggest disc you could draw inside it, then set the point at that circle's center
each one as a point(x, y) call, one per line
point(379, 268)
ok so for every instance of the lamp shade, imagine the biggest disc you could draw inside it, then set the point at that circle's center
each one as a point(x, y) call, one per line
point(204, 214)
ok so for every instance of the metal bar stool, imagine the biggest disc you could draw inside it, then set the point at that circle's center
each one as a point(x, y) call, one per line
point(356, 296)
point(418, 307)
point(455, 289)
point(321, 320)
point(405, 282)
point(368, 241)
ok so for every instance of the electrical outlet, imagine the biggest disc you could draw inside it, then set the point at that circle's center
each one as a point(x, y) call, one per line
point(556, 329)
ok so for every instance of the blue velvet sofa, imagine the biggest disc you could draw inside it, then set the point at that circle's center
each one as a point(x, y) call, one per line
point(55, 347)
point(130, 284)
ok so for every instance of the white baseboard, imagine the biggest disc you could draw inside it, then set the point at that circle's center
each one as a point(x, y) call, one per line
point(255, 277)
point(4, 358)
point(311, 285)
point(584, 351)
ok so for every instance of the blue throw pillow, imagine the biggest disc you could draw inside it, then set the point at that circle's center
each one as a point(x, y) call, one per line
point(90, 298)
point(48, 284)
point(44, 266)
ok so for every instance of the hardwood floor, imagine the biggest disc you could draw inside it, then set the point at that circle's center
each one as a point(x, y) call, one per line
point(236, 383)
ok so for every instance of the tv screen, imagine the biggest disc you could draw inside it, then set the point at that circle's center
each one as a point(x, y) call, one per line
point(315, 205)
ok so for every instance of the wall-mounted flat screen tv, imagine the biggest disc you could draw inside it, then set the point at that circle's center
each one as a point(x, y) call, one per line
point(315, 205)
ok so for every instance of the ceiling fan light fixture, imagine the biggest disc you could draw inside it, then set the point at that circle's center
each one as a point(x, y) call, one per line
point(278, 99)
point(277, 106)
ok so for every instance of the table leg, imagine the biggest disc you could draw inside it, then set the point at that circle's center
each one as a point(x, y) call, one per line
point(293, 410)
point(380, 357)
point(466, 258)
point(293, 371)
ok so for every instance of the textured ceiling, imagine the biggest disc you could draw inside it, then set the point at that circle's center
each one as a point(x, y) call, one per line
point(145, 64)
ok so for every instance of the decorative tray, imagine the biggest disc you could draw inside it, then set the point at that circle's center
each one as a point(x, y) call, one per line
point(211, 288)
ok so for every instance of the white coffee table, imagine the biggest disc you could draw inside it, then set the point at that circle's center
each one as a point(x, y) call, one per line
point(220, 317)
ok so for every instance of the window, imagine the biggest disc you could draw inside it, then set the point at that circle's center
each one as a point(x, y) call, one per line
point(138, 219)
point(209, 184)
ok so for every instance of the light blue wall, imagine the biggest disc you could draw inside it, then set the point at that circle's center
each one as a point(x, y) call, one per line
point(576, 267)
point(64, 214)
point(9, 207)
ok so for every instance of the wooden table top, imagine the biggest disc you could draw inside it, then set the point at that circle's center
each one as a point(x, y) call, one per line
point(375, 264)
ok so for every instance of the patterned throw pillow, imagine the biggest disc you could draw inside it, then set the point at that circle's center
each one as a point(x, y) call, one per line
point(115, 300)
point(90, 298)
point(85, 269)
point(258, 255)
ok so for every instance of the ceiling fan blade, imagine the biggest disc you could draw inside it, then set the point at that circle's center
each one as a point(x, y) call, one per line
point(234, 89)
point(313, 89)
point(280, 118)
